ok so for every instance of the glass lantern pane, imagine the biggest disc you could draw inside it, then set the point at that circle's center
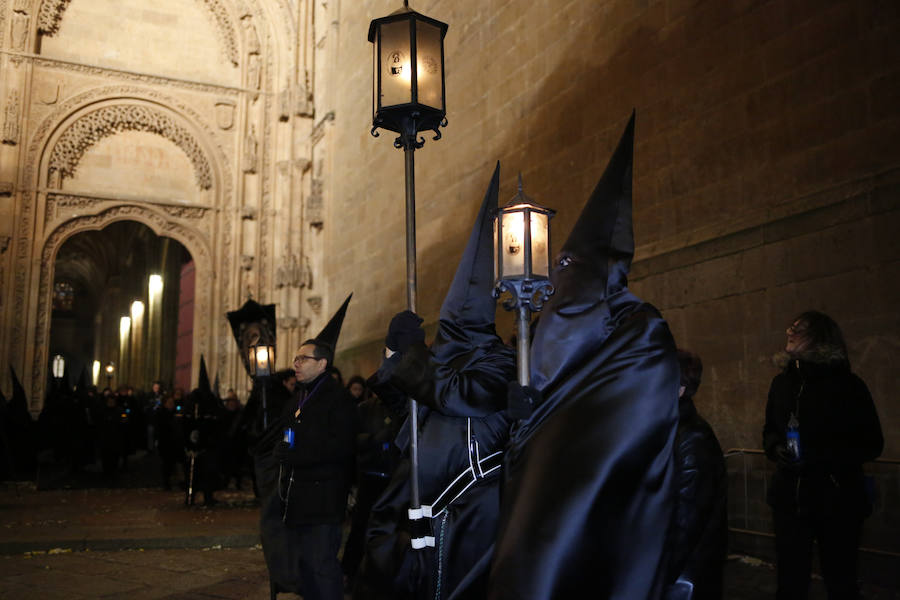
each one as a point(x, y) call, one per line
point(497, 251)
point(375, 75)
point(513, 230)
point(540, 250)
point(428, 65)
point(396, 74)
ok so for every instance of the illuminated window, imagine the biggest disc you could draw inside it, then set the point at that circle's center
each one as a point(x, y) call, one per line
point(63, 296)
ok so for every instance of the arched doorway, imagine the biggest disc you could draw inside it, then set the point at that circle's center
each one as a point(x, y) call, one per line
point(122, 308)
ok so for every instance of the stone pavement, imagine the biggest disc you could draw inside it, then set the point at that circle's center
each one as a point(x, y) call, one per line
point(145, 544)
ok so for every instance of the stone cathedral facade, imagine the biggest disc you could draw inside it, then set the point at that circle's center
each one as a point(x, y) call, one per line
point(767, 172)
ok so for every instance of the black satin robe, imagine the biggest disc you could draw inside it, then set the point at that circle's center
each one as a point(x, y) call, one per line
point(588, 497)
point(461, 401)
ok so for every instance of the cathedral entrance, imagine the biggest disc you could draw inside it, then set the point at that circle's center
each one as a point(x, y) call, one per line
point(122, 310)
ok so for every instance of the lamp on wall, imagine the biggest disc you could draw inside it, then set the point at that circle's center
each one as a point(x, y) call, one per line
point(59, 367)
point(408, 96)
point(110, 371)
point(522, 265)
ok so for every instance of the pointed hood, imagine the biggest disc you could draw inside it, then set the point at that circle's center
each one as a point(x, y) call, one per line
point(467, 314)
point(215, 387)
point(332, 330)
point(603, 233)
point(203, 378)
point(590, 275)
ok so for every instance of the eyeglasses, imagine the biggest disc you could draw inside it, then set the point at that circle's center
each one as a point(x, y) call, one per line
point(301, 358)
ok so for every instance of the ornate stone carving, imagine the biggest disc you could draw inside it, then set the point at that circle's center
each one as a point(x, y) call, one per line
point(51, 11)
point(6, 188)
point(251, 38)
point(50, 15)
point(315, 303)
point(224, 29)
point(101, 123)
point(225, 114)
point(141, 77)
point(292, 274)
point(19, 32)
point(253, 74)
point(248, 213)
point(303, 100)
point(246, 262)
point(4, 243)
point(302, 164)
point(11, 119)
point(21, 5)
point(186, 212)
point(251, 151)
point(57, 203)
point(284, 103)
point(314, 204)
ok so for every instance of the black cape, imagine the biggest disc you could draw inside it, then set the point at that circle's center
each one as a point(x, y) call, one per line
point(587, 497)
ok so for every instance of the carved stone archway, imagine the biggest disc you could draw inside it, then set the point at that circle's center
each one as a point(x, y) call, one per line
point(162, 224)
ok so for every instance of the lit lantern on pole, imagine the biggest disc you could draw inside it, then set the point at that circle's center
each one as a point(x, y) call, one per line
point(262, 360)
point(408, 96)
point(522, 265)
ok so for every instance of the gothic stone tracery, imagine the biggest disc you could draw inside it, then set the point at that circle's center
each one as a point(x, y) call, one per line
point(94, 126)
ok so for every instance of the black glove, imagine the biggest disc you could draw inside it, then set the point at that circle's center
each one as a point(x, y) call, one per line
point(521, 400)
point(404, 331)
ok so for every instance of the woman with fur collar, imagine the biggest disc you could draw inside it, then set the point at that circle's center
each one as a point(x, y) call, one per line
point(821, 426)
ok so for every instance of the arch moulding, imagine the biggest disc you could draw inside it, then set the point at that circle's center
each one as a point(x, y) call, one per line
point(161, 224)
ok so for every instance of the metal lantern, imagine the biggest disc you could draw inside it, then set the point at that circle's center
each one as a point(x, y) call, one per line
point(408, 92)
point(522, 265)
point(522, 240)
point(262, 360)
point(59, 366)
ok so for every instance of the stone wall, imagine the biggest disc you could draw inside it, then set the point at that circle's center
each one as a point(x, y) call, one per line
point(766, 170)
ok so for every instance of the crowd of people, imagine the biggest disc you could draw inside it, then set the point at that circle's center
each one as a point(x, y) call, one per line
point(598, 473)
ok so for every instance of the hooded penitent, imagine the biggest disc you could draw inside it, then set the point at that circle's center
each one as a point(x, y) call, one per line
point(587, 498)
point(460, 384)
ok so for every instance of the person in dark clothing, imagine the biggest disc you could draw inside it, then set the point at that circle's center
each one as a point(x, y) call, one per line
point(700, 524)
point(460, 384)
point(821, 426)
point(357, 388)
point(587, 493)
point(202, 423)
point(376, 459)
point(301, 522)
point(168, 445)
point(110, 432)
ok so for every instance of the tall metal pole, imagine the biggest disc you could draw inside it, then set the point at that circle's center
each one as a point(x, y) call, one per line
point(409, 149)
point(523, 320)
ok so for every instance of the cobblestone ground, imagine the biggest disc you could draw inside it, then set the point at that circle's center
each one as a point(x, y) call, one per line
point(240, 574)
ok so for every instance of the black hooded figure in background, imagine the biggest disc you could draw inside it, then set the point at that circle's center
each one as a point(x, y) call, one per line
point(588, 491)
point(460, 383)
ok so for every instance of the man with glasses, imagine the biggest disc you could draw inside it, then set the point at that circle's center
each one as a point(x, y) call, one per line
point(316, 468)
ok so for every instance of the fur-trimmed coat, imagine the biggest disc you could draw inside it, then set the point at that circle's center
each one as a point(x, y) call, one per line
point(839, 431)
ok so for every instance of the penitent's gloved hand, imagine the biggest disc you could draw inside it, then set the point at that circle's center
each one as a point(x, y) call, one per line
point(404, 331)
point(521, 400)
